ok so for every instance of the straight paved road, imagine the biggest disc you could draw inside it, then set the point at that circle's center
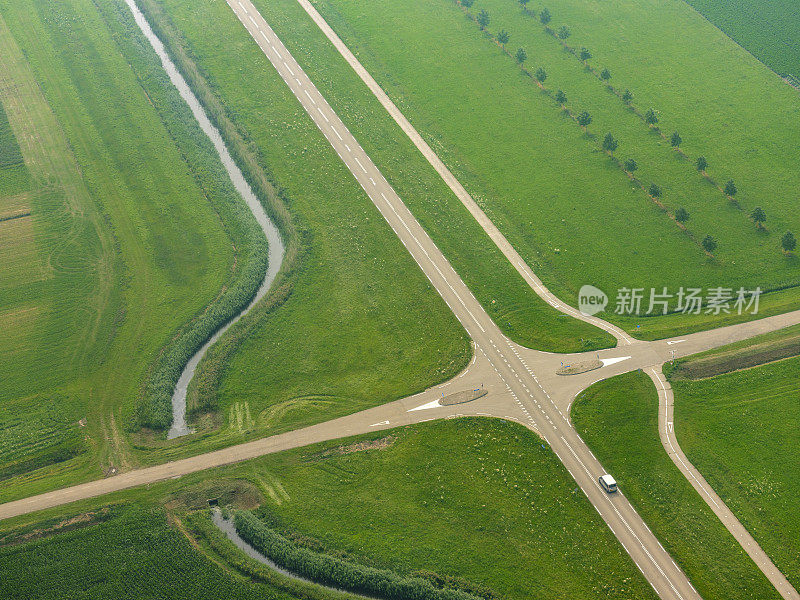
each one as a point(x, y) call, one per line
point(521, 383)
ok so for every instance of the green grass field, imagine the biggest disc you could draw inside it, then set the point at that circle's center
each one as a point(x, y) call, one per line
point(618, 419)
point(479, 499)
point(770, 30)
point(741, 431)
point(562, 202)
point(127, 234)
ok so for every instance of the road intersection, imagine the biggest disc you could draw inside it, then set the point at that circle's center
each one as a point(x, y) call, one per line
point(522, 384)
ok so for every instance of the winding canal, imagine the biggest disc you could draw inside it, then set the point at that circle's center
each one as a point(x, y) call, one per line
point(276, 247)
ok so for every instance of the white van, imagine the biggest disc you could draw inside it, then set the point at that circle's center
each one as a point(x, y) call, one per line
point(608, 483)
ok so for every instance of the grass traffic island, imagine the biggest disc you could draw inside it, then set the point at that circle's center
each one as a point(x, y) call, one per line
point(579, 367)
point(474, 504)
point(618, 419)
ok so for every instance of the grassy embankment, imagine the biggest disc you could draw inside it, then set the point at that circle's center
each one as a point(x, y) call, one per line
point(618, 419)
point(740, 429)
point(504, 294)
point(567, 206)
point(479, 499)
point(130, 236)
point(769, 30)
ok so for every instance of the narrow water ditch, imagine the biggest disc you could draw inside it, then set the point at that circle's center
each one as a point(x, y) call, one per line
point(227, 527)
point(276, 248)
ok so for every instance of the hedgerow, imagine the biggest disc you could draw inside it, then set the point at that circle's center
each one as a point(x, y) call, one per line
point(329, 570)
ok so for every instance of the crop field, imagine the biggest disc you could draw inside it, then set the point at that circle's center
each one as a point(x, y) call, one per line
point(124, 234)
point(477, 499)
point(769, 30)
point(131, 553)
point(742, 430)
point(618, 419)
point(570, 209)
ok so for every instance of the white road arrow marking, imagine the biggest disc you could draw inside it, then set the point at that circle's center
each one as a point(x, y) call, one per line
point(611, 361)
point(674, 342)
point(433, 404)
point(381, 423)
point(669, 425)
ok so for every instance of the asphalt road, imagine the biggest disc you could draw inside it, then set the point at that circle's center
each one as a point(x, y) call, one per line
point(522, 383)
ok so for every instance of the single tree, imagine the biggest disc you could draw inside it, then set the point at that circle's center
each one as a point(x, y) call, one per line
point(709, 244)
point(675, 140)
point(681, 215)
point(759, 217)
point(564, 32)
point(585, 54)
point(605, 74)
point(561, 97)
point(503, 37)
point(788, 242)
point(702, 163)
point(483, 18)
point(467, 3)
point(521, 55)
point(730, 188)
point(627, 96)
point(650, 117)
point(541, 74)
point(584, 119)
point(630, 165)
point(609, 143)
point(654, 191)
point(544, 16)
point(523, 4)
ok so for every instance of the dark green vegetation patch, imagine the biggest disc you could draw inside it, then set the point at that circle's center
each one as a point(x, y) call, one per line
point(134, 555)
point(744, 355)
point(13, 174)
point(770, 30)
point(10, 154)
point(334, 571)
